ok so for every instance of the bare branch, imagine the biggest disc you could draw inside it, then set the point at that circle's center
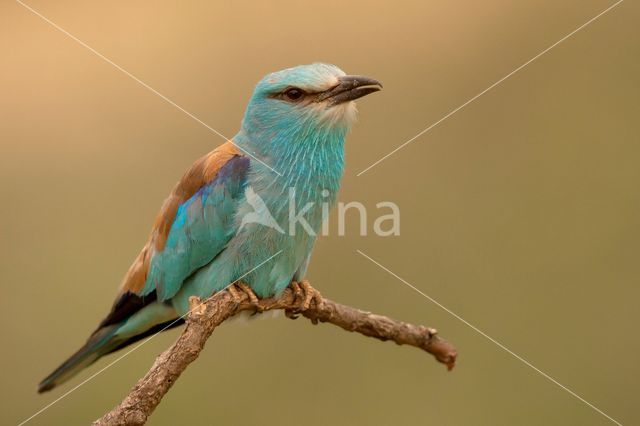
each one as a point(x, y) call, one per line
point(205, 316)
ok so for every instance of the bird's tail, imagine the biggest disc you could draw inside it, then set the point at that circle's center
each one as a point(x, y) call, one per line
point(100, 343)
point(121, 328)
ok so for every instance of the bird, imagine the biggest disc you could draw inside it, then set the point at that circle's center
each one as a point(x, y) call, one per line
point(206, 235)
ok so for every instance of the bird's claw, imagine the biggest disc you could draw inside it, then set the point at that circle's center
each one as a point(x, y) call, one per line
point(303, 295)
point(241, 292)
point(233, 291)
point(310, 295)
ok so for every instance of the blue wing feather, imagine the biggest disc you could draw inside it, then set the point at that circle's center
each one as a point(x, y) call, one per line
point(201, 229)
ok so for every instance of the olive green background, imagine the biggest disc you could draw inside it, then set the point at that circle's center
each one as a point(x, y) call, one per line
point(520, 213)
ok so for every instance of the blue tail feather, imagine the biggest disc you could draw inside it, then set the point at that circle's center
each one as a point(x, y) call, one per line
point(100, 343)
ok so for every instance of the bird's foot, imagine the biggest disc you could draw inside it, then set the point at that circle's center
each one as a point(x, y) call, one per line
point(303, 295)
point(310, 295)
point(241, 292)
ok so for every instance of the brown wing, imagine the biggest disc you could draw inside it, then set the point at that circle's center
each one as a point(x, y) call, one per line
point(203, 171)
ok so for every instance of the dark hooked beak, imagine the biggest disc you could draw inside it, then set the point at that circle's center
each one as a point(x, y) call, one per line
point(349, 88)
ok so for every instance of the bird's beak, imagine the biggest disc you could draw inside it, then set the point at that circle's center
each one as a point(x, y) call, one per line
point(349, 88)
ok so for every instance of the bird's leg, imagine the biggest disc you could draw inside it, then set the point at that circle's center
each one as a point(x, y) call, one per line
point(240, 289)
point(297, 294)
point(303, 295)
point(310, 294)
point(234, 293)
point(253, 298)
point(297, 290)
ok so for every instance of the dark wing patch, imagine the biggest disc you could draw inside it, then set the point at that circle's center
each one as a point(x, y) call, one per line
point(126, 305)
point(168, 325)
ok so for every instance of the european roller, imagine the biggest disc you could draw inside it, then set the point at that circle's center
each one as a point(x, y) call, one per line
point(291, 141)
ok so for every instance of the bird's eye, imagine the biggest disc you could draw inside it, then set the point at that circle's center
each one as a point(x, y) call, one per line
point(294, 94)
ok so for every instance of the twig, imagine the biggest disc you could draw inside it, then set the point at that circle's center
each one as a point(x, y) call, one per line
point(205, 317)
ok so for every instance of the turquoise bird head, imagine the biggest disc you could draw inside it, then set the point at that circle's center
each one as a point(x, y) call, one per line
point(303, 103)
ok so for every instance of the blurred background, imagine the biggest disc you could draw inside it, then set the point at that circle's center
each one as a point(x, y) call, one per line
point(521, 213)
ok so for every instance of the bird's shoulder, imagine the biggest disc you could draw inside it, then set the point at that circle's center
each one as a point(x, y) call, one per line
point(204, 171)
